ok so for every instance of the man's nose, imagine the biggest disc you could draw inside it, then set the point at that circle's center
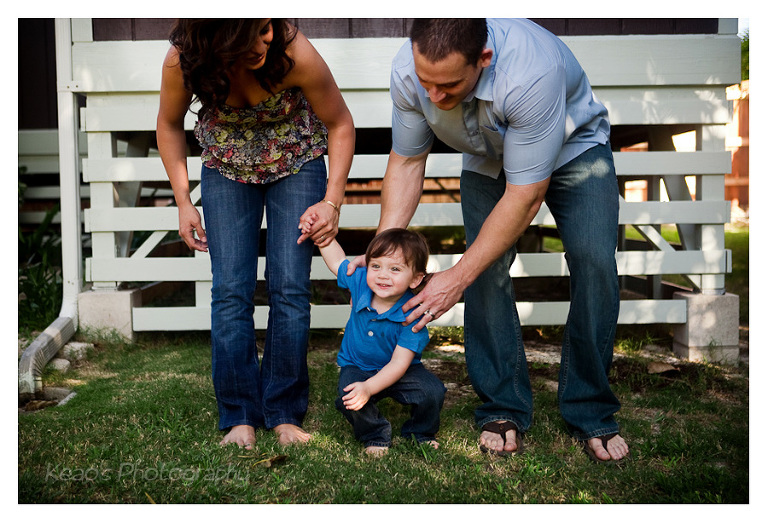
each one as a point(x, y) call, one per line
point(436, 95)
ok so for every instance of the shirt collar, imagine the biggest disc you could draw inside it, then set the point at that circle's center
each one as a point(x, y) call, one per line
point(395, 313)
point(484, 88)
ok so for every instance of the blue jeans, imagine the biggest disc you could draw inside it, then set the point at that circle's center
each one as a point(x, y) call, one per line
point(276, 391)
point(583, 198)
point(419, 388)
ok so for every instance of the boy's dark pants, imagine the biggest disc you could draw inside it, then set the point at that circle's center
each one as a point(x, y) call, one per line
point(419, 388)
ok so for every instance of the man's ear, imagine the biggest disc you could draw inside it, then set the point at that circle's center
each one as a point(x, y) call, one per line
point(485, 57)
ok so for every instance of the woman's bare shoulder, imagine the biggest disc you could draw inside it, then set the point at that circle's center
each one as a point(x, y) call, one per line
point(171, 57)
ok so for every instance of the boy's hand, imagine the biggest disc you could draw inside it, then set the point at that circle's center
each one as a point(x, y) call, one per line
point(358, 395)
point(305, 226)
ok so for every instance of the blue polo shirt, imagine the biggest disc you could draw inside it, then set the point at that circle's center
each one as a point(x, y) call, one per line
point(370, 338)
point(531, 112)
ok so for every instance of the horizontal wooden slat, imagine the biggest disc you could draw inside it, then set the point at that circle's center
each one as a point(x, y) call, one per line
point(631, 312)
point(364, 63)
point(669, 105)
point(372, 166)
point(427, 215)
point(630, 263)
point(39, 150)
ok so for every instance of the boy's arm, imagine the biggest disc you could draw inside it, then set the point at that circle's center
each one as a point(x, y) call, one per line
point(333, 256)
point(360, 392)
point(332, 253)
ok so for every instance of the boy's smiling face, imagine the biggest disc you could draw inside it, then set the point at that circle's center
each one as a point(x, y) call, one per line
point(389, 276)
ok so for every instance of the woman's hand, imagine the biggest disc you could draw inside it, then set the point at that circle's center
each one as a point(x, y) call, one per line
point(320, 223)
point(189, 223)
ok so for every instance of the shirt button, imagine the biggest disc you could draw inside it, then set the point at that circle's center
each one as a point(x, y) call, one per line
point(370, 333)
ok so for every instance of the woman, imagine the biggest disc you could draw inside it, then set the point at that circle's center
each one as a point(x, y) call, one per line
point(270, 109)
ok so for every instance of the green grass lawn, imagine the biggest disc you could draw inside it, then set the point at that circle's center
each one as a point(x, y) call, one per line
point(142, 429)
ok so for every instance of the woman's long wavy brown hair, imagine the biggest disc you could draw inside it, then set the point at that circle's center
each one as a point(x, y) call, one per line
point(209, 47)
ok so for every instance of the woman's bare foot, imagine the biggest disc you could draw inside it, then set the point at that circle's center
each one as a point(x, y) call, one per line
point(288, 434)
point(242, 435)
point(376, 452)
point(615, 449)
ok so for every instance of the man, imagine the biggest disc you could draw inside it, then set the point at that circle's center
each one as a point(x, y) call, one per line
point(512, 98)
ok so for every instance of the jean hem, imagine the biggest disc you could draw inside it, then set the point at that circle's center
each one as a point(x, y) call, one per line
point(581, 436)
point(378, 444)
point(271, 425)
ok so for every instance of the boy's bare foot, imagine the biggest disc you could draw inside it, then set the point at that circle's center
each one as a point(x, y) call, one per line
point(242, 435)
point(376, 452)
point(288, 434)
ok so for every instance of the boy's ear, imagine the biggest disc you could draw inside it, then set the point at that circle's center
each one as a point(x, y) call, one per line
point(417, 280)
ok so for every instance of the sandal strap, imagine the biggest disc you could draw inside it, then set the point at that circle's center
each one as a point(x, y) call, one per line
point(501, 428)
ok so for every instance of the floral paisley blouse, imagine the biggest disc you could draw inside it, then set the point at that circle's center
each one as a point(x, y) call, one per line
point(263, 143)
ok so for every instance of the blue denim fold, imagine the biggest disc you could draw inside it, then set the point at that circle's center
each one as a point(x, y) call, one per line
point(583, 198)
point(277, 390)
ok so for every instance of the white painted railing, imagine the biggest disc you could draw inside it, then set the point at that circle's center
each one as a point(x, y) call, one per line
point(657, 81)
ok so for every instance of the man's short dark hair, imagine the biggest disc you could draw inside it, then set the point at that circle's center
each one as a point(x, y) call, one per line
point(439, 37)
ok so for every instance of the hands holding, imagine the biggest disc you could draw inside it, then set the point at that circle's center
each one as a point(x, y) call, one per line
point(320, 223)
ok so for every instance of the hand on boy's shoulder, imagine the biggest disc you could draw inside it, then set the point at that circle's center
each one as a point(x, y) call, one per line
point(355, 263)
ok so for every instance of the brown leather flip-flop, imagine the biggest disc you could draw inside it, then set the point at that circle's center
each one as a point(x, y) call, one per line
point(501, 429)
point(604, 439)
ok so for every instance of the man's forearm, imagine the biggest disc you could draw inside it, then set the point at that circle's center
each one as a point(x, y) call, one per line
point(401, 190)
point(502, 228)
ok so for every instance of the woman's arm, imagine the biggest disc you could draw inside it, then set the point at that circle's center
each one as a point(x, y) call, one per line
point(172, 145)
point(361, 391)
point(313, 76)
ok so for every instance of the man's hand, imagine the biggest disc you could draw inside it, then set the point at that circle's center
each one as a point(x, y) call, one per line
point(443, 291)
point(359, 261)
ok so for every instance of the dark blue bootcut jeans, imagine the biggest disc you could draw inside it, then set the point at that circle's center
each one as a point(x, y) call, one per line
point(276, 391)
point(583, 198)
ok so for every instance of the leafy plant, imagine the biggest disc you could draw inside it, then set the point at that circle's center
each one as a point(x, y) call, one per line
point(40, 282)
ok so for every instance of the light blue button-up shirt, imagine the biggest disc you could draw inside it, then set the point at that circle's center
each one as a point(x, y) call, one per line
point(531, 112)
